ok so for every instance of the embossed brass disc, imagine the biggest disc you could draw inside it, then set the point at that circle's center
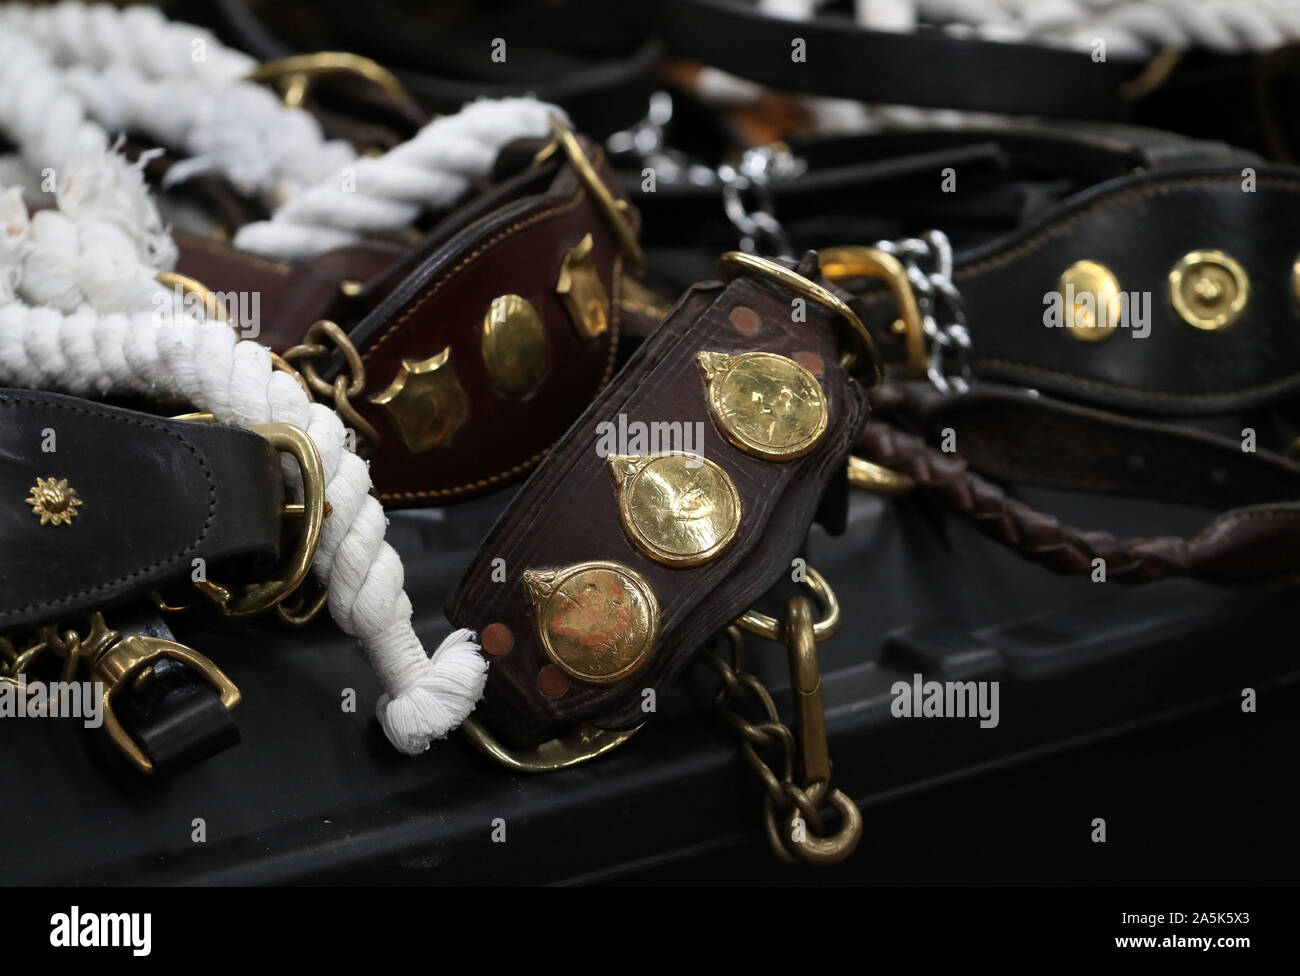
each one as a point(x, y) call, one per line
point(514, 345)
point(1209, 290)
point(598, 621)
point(765, 404)
point(1093, 307)
point(679, 509)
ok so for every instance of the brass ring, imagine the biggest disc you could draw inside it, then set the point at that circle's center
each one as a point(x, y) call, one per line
point(878, 479)
point(836, 847)
point(193, 286)
point(774, 630)
point(862, 356)
point(299, 70)
point(579, 745)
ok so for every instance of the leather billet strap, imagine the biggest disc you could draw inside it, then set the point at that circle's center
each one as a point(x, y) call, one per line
point(1005, 435)
point(581, 55)
point(482, 343)
point(585, 594)
point(926, 68)
point(1158, 239)
point(101, 505)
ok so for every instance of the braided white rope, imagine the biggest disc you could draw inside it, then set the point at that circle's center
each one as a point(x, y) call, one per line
point(1129, 28)
point(80, 312)
point(144, 79)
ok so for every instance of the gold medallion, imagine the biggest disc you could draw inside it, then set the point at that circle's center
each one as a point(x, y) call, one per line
point(598, 621)
point(514, 345)
point(679, 509)
point(765, 404)
point(426, 401)
point(54, 501)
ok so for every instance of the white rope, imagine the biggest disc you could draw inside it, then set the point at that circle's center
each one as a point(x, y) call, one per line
point(134, 71)
point(81, 312)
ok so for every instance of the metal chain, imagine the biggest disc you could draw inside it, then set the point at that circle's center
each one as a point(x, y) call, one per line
point(321, 339)
point(928, 260)
point(796, 830)
point(746, 197)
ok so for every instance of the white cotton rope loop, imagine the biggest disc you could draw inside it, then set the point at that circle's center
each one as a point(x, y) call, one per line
point(81, 310)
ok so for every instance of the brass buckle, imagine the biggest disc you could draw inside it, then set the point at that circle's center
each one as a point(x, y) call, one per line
point(878, 479)
point(855, 261)
point(294, 75)
point(614, 210)
point(116, 661)
point(578, 745)
point(861, 356)
point(253, 598)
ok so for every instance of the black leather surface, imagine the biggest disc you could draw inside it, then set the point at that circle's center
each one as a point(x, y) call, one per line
point(1139, 227)
point(156, 494)
point(315, 794)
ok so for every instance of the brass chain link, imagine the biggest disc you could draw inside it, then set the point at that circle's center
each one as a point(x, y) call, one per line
point(792, 812)
point(320, 340)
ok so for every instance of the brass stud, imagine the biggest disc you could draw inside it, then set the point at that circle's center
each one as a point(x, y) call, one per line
point(1093, 305)
point(514, 345)
point(1209, 290)
point(580, 288)
point(679, 509)
point(54, 501)
point(426, 402)
point(598, 621)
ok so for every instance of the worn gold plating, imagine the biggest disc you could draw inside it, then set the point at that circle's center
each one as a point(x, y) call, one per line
point(765, 404)
point(581, 290)
point(426, 401)
point(679, 509)
point(54, 501)
point(514, 345)
point(598, 621)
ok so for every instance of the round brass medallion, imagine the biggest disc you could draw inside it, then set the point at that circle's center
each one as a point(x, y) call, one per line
point(765, 404)
point(1209, 290)
point(598, 621)
point(680, 509)
point(514, 345)
point(1093, 306)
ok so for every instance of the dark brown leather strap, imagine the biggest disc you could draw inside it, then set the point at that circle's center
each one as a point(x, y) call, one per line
point(449, 426)
point(573, 511)
point(1017, 437)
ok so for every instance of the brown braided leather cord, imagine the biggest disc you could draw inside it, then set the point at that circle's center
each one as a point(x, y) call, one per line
point(1254, 543)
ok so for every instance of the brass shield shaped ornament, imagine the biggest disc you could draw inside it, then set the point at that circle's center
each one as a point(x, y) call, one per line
point(598, 621)
point(580, 288)
point(766, 405)
point(679, 509)
point(426, 402)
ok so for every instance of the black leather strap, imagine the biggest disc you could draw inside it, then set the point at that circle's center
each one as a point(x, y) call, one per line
point(155, 495)
point(1139, 226)
point(177, 717)
point(580, 55)
point(926, 68)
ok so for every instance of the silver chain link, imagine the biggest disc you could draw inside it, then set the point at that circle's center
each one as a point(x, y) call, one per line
point(928, 260)
point(746, 198)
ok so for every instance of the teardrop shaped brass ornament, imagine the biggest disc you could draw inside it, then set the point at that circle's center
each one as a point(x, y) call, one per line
point(765, 404)
point(598, 621)
point(678, 509)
